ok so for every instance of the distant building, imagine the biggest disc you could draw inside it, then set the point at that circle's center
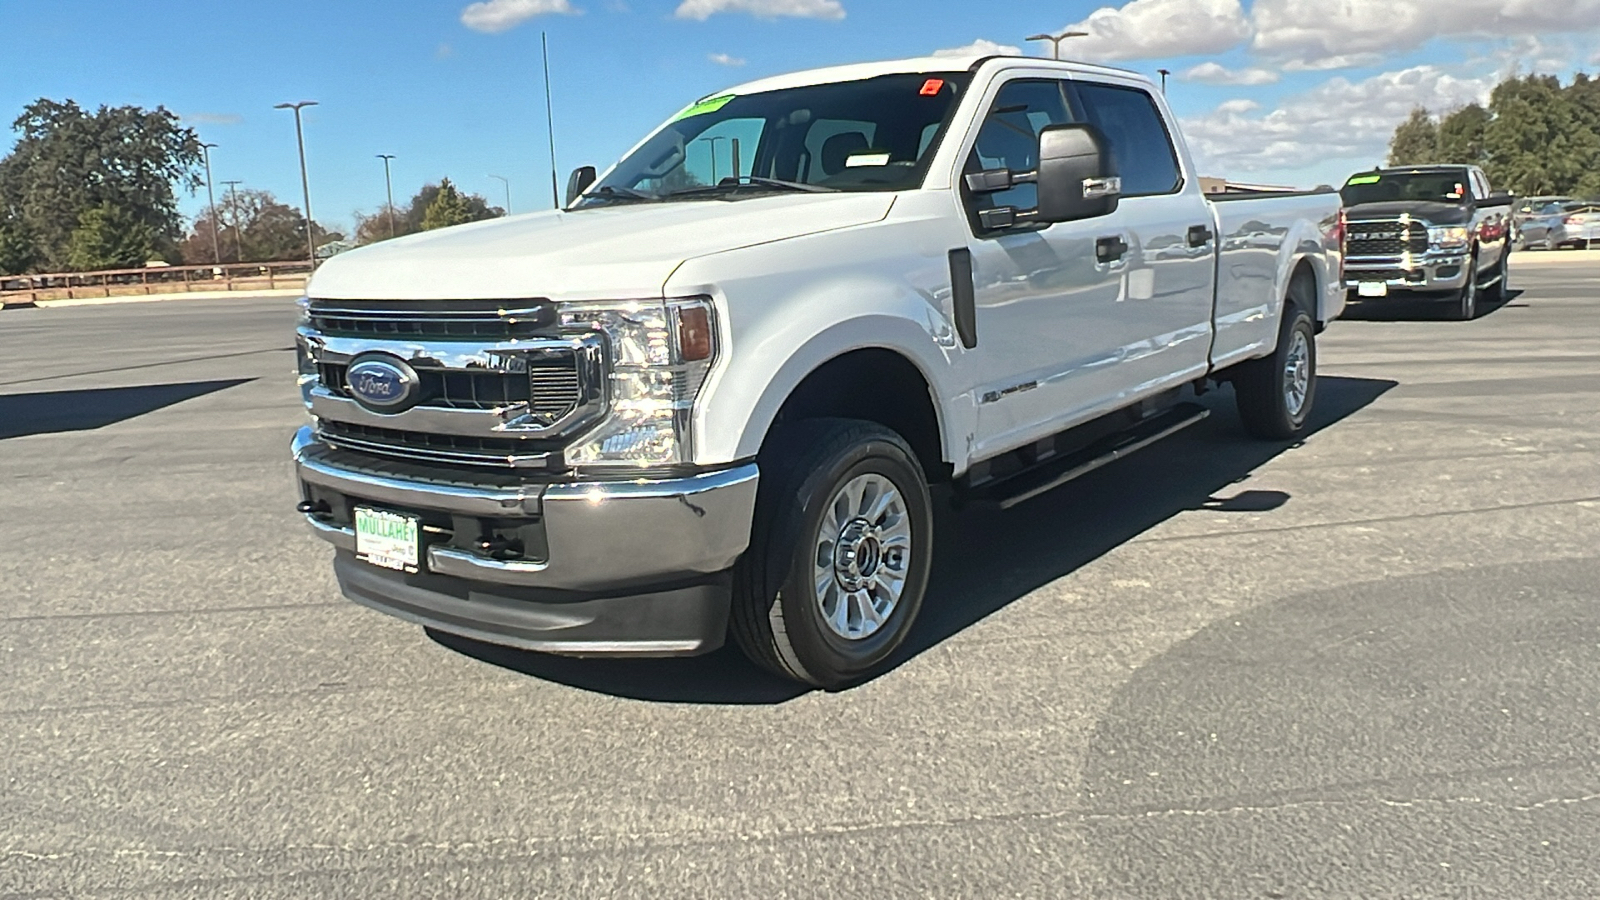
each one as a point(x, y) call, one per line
point(1224, 186)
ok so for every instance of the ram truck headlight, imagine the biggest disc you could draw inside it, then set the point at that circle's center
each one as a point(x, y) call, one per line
point(1449, 237)
point(661, 353)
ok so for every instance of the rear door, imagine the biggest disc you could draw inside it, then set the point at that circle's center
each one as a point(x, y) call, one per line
point(1165, 312)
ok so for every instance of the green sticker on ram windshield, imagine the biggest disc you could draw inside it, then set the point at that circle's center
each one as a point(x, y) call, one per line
point(703, 107)
point(1365, 179)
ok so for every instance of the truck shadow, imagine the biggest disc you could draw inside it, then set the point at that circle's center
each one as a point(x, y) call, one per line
point(1423, 310)
point(987, 558)
point(50, 412)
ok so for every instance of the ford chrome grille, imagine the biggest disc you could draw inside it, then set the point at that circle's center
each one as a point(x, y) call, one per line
point(487, 387)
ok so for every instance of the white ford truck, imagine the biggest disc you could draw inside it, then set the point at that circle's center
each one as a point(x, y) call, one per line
point(709, 396)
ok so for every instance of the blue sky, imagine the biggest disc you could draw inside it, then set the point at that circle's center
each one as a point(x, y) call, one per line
point(1290, 91)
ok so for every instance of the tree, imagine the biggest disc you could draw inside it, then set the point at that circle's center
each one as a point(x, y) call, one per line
point(68, 162)
point(376, 227)
point(447, 209)
point(110, 237)
point(1416, 141)
point(17, 254)
point(266, 231)
point(410, 217)
point(1535, 136)
point(1461, 136)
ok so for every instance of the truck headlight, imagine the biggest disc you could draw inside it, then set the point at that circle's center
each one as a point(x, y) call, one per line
point(1449, 237)
point(661, 353)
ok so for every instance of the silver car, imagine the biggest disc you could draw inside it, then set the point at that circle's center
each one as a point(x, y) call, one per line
point(1537, 218)
point(1579, 226)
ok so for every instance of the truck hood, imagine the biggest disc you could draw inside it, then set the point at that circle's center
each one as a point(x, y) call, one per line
point(614, 252)
point(1426, 210)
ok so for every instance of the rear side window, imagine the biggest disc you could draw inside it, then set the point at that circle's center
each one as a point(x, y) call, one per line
point(1139, 141)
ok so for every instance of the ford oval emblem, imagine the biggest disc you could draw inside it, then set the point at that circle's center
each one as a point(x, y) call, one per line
point(383, 384)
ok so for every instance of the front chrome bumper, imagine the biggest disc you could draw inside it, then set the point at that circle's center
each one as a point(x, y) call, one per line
point(641, 544)
point(1432, 272)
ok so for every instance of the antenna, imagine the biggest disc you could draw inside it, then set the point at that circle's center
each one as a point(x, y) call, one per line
point(550, 121)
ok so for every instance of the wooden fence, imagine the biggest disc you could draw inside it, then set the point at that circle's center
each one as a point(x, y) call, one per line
point(29, 289)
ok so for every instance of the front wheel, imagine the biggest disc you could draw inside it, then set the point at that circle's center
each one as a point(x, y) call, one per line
point(1275, 394)
point(839, 555)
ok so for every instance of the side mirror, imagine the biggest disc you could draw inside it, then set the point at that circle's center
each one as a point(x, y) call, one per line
point(578, 182)
point(1077, 176)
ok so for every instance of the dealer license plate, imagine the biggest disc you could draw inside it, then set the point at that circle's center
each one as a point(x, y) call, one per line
point(387, 539)
point(1373, 289)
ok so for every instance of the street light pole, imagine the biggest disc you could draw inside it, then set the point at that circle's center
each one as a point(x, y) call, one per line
point(1164, 73)
point(211, 200)
point(713, 142)
point(1056, 39)
point(305, 183)
point(233, 204)
point(507, 182)
point(388, 188)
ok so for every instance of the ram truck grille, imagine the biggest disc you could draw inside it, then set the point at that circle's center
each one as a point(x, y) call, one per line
point(1386, 239)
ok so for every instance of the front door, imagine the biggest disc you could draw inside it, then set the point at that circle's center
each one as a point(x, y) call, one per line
point(1048, 311)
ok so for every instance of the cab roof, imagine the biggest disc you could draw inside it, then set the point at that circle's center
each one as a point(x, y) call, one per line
point(917, 66)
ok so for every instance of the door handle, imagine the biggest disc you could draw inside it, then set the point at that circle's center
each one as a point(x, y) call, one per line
point(1110, 249)
point(1199, 236)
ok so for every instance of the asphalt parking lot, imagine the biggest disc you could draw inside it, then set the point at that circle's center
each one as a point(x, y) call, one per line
point(1366, 665)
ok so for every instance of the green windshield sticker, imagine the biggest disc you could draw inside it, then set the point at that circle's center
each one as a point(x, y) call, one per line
point(703, 107)
point(1365, 179)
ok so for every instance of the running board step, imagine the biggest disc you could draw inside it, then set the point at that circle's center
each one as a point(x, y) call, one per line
point(1029, 484)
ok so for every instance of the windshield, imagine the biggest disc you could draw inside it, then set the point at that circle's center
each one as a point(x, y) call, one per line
point(1387, 187)
point(878, 134)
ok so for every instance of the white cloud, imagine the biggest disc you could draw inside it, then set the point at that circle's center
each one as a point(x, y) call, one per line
point(494, 16)
point(1337, 120)
point(1213, 73)
point(764, 9)
point(1320, 34)
point(1145, 29)
point(981, 47)
point(723, 59)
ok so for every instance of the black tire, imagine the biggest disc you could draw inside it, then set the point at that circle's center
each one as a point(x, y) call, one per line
point(1261, 386)
point(778, 617)
point(1466, 308)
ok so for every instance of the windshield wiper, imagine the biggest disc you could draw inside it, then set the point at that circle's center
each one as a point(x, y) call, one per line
point(752, 181)
point(611, 194)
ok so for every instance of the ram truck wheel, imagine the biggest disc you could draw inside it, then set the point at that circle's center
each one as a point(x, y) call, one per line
point(1275, 393)
point(839, 554)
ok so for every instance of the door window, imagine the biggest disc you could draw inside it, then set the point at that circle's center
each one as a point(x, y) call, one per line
point(1132, 125)
point(1009, 137)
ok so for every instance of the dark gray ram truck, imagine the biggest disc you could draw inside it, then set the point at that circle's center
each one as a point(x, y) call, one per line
point(1426, 231)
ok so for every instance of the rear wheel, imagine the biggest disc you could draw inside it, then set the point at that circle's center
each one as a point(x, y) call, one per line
point(1275, 394)
point(839, 555)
